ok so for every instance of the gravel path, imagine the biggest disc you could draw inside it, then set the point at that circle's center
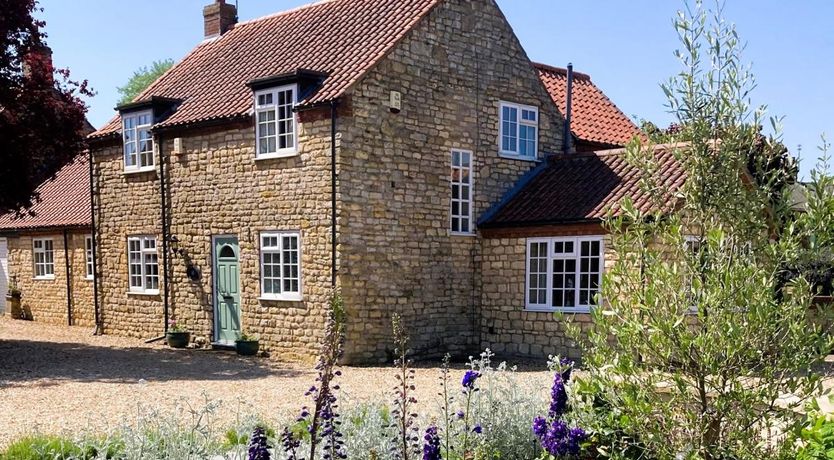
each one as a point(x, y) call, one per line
point(64, 380)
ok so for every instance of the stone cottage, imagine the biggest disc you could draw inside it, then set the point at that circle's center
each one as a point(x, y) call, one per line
point(358, 144)
point(46, 251)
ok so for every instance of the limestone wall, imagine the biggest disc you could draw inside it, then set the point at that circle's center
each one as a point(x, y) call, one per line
point(45, 300)
point(397, 252)
point(506, 326)
point(216, 187)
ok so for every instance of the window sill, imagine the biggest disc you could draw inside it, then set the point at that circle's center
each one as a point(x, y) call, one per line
point(89, 278)
point(464, 234)
point(282, 298)
point(565, 310)
point(129, 172)
point(44, 278)
point(273, 156)
point(515, 156)
point(144, 293)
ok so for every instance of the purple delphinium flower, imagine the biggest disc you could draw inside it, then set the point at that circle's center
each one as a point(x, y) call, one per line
point(431, 447)
point(291, 444)
point(575, 437)
point(460, 414)
point(469, 379)
point(478, 429)
point(259, 446)
point(539, 427)
point(558, 397)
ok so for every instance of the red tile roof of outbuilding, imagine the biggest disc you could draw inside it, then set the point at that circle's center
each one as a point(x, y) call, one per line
point(583, 187)
point(64, 201)
point(343, 38)
point(595, 119)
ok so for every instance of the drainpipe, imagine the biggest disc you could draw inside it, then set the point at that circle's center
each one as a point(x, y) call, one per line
point(69, 278)
point(165, 230)
point(333, 115)
point(568, 112)
point(99, 328)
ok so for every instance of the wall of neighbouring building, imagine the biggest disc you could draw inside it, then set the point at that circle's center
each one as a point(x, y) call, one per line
point(396, 250)
point(45, 300)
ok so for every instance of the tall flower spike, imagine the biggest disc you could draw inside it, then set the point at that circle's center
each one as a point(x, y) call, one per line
point(431, 447)
point(558, 397)
point(259, 446)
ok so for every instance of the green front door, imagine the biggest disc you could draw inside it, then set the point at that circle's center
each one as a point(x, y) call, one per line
point(226, 289)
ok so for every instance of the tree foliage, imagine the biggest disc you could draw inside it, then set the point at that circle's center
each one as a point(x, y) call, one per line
point(142, 79)
point(698, 341)
point(42, 118)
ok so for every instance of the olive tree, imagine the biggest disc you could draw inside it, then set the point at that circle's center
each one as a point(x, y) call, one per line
point(699, 346)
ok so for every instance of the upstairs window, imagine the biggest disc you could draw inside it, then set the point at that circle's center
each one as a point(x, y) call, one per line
point(461, 192)
point(138, 141)
point(143, 265)
point(519, 131)
point(563, 274)
point(281, 266)
point(43, 253)
point(88, 253)
point(275, 122)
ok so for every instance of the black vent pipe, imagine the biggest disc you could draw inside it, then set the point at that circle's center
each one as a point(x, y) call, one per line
point(99, 328)
point(566, 138)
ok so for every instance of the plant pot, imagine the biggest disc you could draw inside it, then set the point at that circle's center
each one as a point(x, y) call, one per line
point(178, 339)
point(15, 310)
point(247, 347)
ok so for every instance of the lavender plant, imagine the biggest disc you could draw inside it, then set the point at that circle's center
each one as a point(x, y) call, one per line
point(406, 444)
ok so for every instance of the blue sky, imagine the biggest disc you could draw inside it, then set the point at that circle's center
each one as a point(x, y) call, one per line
point(626, 46)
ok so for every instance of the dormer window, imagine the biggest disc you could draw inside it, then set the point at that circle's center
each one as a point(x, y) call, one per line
point(138, 141)
point(519, 131)
point(275, 126)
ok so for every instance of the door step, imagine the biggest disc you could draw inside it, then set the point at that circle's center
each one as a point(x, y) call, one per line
point(222, 346)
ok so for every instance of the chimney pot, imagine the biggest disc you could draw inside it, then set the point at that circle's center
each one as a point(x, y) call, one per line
point(218, 18)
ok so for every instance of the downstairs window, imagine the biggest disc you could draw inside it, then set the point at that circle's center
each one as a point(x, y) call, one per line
point(563, 274)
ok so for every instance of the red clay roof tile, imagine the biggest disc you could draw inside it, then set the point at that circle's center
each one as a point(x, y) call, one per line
point(583, 187)
point(595, 119)
point(344, 38)
point(64, 201)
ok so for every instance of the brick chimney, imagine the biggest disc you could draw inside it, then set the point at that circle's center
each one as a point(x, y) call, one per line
point(219, 17)
point(39, 58)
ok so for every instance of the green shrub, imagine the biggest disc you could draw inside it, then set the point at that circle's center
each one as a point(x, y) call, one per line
point(38, 447)
point(816, 438)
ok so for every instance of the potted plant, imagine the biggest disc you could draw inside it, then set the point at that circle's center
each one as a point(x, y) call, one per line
point(13, 297)
point(247, 345)
point(177, 337)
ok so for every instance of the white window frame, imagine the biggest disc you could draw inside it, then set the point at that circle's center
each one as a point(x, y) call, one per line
point(136, 130)
point(48, 263)
point(520, 122)
point(144, 274)
point(549, 258)
point(461, 200)
point(88, 257)
point(291, 296)
point(273, 108)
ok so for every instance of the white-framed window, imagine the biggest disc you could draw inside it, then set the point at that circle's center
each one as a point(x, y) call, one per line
point(275, 126)
point(43, 256)
point(138, 141)
point(88, 256)
point(462, 183)
point(281, 266)
point(143, 264)
point(519, 130)
point(563, 274)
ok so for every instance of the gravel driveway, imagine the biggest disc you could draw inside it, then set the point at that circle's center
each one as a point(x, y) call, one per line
point(64, 380)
